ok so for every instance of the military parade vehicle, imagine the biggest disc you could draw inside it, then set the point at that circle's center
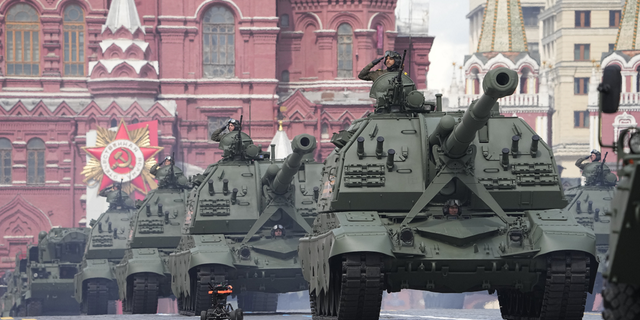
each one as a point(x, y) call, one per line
point(416, 198)
point(95, 284)
point(17, 283)
point(622, 292)
point(142, 275)
point(589, 203)
point(244, 218)
point(45, 284)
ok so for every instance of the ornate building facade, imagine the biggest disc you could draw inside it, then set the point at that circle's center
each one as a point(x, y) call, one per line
point(70, 66)
point(502, 42)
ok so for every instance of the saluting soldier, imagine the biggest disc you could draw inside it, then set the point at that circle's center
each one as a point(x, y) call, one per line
point(392, 61)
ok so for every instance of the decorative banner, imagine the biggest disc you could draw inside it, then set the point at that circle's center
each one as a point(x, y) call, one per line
point(125, 156)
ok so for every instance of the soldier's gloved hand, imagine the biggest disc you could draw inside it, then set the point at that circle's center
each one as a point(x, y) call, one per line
point(376, 61)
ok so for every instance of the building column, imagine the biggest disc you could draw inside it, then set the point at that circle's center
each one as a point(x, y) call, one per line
point(325, 40)
point(363, 48)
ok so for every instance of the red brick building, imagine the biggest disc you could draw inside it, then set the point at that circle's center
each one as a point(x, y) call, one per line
point(68, 67)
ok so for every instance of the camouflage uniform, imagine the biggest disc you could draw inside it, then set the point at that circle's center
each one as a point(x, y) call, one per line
point(163, 173)
point(217, 135)
point(368, 75)
point(580, 164)
point(112, 196)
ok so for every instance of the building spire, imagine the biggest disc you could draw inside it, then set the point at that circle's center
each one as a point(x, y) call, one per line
point(123, 13)
point(628, 31)
point(502, 27)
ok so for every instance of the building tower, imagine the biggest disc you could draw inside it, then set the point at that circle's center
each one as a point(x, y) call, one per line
point(574, 33)
point(503, 43)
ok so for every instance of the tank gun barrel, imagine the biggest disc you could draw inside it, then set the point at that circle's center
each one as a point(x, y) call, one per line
point(301, 145)
point(497, 83)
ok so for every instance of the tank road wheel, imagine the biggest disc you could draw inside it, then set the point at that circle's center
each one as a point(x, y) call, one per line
point(621, 301)
point(34, 308)
point(355, 289)
point(145, 294)
point(97, 299)
point(258, 301)
point(563, 296)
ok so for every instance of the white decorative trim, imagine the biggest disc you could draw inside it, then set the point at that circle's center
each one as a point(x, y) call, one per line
point(44, 95)
point(220, 80)
point(124, 44)
point(19, 181)
point(22, 89)
point(52, 166)
point(111, 64)
point(56, 142)
point(18, 237)
point(320, 27)
point(177, 27)
point(369, 25)
point(364, 30)
point(19, 165)
point(52, 182)
point(219, 96)
point(204, 3)
point(219, 107)
point(259, 28)
point(19, 142)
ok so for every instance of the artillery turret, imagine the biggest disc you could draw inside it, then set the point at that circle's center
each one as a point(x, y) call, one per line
point(386, 217)
point(95, 284)
point(244, 218)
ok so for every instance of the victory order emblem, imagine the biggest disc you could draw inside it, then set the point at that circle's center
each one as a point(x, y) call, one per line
point(122, 155)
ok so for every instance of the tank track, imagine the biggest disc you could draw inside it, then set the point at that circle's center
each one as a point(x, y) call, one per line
point(621, 301)
point(97, 299)
point(144, 299)
point(563, 296)
point(258, 301)
point(355, 289)
point(199, 300)
point(34, 308)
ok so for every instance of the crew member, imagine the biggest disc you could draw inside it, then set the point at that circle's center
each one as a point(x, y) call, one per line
point(231, 124)
point(391, 60)
point(167, 161)
point(277, 231)
point(594, 156)
point(451, 208)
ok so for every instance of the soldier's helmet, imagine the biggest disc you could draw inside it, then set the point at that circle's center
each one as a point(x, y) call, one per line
point(597, 153)
point(396, 58)
point(277, 227)
point(451, 203)
point(170, 158)
point(235, 123)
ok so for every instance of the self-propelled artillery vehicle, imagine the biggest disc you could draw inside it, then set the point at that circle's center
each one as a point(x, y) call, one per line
point(382, 222)
point(244, 218)
point(50, 268)
point(95, 284)
point(17, 282)
point(143, 274)
point(589, 204)
point(622, 292)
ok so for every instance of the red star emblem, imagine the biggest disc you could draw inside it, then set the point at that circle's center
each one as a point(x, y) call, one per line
point(122, 159)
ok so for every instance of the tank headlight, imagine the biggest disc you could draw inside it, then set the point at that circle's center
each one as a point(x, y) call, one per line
point(406, 236)
point(634, 143)
point(515, 236)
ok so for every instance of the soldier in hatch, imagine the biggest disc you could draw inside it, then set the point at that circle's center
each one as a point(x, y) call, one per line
point(277, 231)
point(232, 125)
point(163, 170)
point(594, 157)
point(391, 60)
point(451, 208)
point(117, 198)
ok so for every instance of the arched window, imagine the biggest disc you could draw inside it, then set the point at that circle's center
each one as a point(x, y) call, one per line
point(284, 77)
point(73, 41)
point(345, 51)
point(23, 41)
point(218, 43)
point(114, 123)
point(475, 82)
point(35, 161)
point(324, 131)
point(524, 80)
point(638, 79)
point(346, 125)
point(5, 161)
point(134, 121)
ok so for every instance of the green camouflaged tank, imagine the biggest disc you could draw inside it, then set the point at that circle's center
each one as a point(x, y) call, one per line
point(229, 231)
point(143, 274)
point(95, 284)
point(17, 282)
point(416, 198)
point(45, 284)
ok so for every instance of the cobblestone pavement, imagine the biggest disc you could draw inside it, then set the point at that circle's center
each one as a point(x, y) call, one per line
point(434, 314)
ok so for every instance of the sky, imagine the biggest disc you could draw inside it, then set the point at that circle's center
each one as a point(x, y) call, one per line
point(447, 23)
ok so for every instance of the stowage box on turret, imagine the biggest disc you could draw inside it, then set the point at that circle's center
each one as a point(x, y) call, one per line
point(143, 275)
point(416, 198)
point(95, 284)
point(244, 218)
point(47, 274)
